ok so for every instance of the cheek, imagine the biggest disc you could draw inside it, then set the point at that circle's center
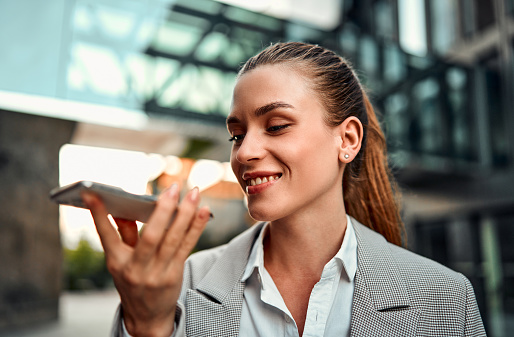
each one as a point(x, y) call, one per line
point(307, 147)
point(315, 153)
point(232, 160)
point(234, 164)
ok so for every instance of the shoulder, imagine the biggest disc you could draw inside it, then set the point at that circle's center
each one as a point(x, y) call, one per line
point(426, 275)
point(423, 277)
point(395, 278)
point(440, 293)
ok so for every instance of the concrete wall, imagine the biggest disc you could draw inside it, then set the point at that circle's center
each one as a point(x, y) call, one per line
point(30, 247)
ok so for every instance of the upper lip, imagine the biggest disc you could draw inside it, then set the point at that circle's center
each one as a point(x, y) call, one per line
point(259, 174)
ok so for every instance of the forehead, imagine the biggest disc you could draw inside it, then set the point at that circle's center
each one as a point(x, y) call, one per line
point(270, 83)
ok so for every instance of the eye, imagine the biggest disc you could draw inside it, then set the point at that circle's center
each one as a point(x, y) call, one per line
point(276, 128)
point(237, 139)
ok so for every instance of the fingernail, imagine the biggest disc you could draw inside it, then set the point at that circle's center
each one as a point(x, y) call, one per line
point(173, 191)
point(87, 199)
point(194, 194)
point(205, 213)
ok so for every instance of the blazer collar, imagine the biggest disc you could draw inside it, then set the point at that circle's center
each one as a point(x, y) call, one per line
point(377, 267)
point(229, 268)
point(381, 303)
point(379, 270)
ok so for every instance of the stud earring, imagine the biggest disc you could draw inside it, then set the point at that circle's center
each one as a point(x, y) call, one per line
point(346, 156)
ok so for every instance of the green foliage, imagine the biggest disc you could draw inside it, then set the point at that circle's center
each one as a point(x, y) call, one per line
point(196, 147)
point(84, 268)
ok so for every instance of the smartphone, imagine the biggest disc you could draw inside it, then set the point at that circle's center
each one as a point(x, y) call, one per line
point(118, 202)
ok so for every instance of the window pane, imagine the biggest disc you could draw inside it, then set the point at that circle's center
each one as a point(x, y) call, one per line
point(429, 140)
point(412, 23)
point(384, 19)
point(394, 64)
point(444, 20)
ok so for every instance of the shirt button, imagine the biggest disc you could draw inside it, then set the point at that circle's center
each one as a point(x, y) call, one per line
point(288, 319)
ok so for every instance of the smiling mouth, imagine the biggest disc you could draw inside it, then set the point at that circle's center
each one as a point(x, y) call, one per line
point(262, 180)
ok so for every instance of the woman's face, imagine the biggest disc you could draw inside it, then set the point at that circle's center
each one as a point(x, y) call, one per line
point(284, 155)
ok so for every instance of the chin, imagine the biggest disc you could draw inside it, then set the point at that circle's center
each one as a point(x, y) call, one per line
point(266, 213)
point(261, 215)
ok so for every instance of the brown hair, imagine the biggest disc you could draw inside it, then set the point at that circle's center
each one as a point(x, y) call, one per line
point(369, 190)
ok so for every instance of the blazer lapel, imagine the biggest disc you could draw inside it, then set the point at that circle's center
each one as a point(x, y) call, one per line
point(217, 300)
point(381, 304)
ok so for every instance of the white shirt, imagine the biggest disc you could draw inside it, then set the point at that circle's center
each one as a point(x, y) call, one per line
point(265, 314)
point(330, 304)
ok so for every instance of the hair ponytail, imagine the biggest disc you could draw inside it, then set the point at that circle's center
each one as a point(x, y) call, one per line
point(370, 193)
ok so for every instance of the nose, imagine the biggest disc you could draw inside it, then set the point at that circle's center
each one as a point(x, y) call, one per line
point(252, 148)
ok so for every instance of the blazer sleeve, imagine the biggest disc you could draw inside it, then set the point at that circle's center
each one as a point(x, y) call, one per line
point(117, 327)
point(180, 324)
point(474, 325)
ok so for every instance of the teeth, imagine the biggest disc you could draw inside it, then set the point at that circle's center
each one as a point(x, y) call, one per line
point(258, 181)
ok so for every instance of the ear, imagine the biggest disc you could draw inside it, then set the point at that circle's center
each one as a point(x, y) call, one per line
point(351, 133)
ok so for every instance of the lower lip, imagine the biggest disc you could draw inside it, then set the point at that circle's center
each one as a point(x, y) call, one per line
point(259, 188)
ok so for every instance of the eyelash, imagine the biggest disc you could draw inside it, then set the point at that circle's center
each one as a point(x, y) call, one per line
point(238, 139)
point(276, 128)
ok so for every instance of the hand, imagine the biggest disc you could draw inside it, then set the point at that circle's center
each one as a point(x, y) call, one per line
point(147, 270)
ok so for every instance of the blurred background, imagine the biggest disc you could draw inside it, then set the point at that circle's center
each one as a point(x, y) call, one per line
point(135, 93)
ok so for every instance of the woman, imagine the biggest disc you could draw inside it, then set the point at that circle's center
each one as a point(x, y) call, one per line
point(302, 127)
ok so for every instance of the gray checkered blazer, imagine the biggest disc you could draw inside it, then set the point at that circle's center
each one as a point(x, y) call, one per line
point(397, 293)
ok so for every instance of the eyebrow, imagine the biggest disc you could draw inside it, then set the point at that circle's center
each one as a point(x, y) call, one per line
point(261, 111)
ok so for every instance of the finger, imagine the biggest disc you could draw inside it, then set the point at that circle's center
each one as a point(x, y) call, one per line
point(128, 231)
point(193, 234)
point(153, 233)
point(180, 225)
point(108, 236)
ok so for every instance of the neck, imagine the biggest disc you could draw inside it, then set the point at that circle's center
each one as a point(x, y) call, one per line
point(309, 239)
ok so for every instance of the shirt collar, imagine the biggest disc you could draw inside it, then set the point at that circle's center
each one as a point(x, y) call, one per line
point(256, 258)
point(347, 254)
